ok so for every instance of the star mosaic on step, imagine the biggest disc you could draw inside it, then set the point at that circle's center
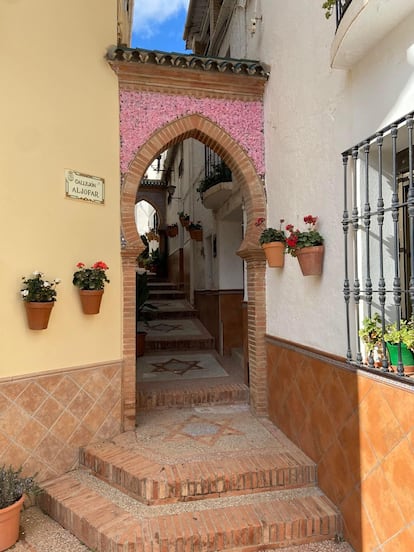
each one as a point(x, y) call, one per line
point(175, 366)
point(165, 328)
point(201, 430)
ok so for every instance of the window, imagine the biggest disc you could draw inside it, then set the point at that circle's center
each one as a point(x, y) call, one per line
point(378, 225)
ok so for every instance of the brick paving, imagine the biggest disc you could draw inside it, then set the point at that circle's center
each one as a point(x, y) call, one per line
point(39, 533)
point(214, 478)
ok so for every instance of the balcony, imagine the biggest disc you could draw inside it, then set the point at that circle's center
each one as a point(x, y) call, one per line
point(361, 24)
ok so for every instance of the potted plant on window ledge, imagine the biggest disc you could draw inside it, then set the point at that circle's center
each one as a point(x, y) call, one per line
point(371, 335)
point(273, 242)
point(401, 338)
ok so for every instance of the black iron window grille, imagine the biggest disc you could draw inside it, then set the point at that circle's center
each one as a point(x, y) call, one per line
point(215, 170)
point(378, 226)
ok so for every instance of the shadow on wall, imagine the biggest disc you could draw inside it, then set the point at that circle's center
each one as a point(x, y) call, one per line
point(359, 431)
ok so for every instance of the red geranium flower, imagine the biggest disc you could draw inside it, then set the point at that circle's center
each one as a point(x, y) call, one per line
point(93, 278)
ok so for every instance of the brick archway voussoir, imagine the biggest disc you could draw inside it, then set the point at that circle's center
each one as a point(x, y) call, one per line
point(206, 131)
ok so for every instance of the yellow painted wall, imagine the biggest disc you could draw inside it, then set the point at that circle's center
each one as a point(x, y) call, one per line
point(58, 109)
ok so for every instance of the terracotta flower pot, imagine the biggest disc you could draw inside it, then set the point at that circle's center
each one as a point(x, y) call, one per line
point(184, 222)
point(38, 314)
point(9, 524)
point(275, 254)
point(196, 235)
point(91, 300)
point(172, 231)
point(311, 260)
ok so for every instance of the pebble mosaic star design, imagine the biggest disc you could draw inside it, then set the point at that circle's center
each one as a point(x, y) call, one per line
point(165, 328)
point(175, 366)
point(201, 430)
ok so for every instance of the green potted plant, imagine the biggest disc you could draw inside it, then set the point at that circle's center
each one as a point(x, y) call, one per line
point(154, 262)
point(196, 231)
point(220, 173)
point(91, 282)
point(144, 255)
point(273, 242)
point(39, 296)
point(371, 335)
point(143, 310)
point(307, 246)
point(13, 488)
point(402, 337)
point(184, 218)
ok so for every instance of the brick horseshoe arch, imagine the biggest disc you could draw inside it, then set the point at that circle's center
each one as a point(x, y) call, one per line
point(201, 128)
point(219, 103)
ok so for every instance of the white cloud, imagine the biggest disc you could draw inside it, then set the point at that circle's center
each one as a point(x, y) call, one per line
point(149, 14)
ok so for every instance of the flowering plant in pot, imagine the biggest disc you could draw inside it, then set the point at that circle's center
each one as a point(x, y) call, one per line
point(13, 487)
point(39, 296)
point(90, 278)
point(196, 230)
point(184, 218)
point(38, 289)
point(307, 246)
point(372, 337)
point(91, 282)
point(273, 242)
point(172, 230)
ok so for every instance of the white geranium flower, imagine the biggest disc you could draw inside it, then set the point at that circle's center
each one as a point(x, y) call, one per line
point(24, 292)
point(46, 284)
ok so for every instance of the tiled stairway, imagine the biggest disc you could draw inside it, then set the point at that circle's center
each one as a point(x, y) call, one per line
point(180, 366)
point(205, 478)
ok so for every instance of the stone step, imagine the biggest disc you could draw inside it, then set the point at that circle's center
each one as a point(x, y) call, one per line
point(183, 396)
point(154, 482)
point(157, 285)
point(174, 309)
point(106, 520)
point(165, 294)
point(176, 335)
point(178, 343)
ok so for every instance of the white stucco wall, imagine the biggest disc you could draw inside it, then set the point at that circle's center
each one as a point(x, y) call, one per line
point(225, 270)
point(231, 266)
point(312, 114)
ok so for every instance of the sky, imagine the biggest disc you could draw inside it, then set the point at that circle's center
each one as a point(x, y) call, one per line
point(159, 25)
